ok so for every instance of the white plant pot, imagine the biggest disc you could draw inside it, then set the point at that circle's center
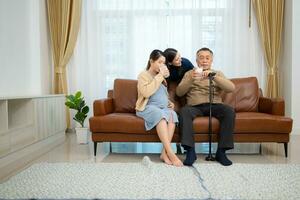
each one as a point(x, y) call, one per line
point(82, 135)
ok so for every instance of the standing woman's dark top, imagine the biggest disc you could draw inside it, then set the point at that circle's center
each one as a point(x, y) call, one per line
point(176, 64)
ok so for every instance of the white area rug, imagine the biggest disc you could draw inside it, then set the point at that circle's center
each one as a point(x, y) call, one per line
point(148, 180)
point(251, 181)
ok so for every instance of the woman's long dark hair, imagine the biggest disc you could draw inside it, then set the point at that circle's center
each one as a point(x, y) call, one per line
point(170, 54)
point(155, 55)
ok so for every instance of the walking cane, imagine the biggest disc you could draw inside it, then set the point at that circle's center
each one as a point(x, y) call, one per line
point(209, 156)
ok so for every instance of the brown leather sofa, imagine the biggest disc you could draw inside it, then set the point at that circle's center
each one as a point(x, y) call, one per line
point(258, 119)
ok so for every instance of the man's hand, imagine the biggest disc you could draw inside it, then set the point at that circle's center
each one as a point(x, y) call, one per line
point(196, 74)
point(206, 73)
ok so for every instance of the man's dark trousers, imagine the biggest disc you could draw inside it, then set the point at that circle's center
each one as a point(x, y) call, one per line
point(224, 113)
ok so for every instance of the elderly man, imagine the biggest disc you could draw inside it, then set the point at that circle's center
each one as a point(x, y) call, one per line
point(195, 85)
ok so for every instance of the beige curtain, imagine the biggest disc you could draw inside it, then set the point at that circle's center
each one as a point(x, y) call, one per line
point(64, 20)
point(269, 16)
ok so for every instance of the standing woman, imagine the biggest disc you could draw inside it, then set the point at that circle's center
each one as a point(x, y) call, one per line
point(154, 107)
point(177, 65)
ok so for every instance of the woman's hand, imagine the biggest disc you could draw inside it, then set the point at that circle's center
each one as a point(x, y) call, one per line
point(164, 71)
point(171, 105)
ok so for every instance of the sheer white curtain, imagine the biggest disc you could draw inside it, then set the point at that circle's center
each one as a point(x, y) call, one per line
point(117, 36)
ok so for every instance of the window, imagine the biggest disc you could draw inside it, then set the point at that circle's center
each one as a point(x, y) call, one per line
point(117, 36)
point(131, 29)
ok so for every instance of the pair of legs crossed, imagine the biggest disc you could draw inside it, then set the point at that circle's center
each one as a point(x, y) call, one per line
point(167, 154)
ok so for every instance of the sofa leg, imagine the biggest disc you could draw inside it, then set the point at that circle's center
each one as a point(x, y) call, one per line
point(260, 151)
point(286, 149)
point(110, 148)
point(178, 149)
point(95, 148)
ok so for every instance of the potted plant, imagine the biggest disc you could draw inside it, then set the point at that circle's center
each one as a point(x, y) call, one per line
point(76, 102)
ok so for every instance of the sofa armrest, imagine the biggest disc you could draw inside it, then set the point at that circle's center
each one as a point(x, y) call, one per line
point(274, 106)
point(103, 106)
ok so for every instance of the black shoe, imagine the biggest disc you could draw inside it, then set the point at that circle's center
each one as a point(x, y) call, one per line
point(190, 157)
point(222, 158)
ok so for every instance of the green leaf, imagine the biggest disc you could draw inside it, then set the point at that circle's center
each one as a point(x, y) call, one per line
point(71, 97)
point(82, 103)
point(70, 105)
point(80, 116)
point(85, 109)
point(77, 103)
point(78, 95)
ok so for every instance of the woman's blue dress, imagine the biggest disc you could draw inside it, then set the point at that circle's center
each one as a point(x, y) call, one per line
point(157, 109)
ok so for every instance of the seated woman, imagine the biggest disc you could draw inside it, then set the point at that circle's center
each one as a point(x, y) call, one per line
point(176, 64)
point(154, 107)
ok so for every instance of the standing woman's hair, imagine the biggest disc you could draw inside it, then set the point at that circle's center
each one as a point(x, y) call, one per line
point(170, 54)
point(155, 55)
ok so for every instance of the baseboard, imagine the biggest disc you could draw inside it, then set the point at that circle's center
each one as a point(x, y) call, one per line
point(19, 159)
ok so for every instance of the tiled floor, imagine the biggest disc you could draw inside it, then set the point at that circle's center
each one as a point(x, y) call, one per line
point(70, 151)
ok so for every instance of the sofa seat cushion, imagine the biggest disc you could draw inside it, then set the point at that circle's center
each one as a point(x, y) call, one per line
point(254, 122)
point(248, 122)
point(119, 123)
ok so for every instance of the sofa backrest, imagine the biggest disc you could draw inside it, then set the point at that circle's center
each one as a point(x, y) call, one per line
point(244, 98)
point(178, 101)
point(125, 95)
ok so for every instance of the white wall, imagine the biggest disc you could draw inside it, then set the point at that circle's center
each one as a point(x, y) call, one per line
point(25, 58)
point(295, 110)
point(285, 66)
point(289, 72)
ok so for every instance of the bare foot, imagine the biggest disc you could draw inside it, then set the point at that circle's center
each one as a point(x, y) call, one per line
point(164, 157)
point(175, 160)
